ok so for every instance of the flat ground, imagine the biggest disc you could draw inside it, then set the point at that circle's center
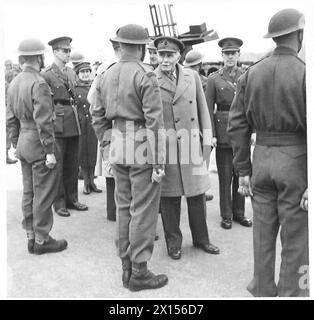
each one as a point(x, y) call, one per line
point(89, 268)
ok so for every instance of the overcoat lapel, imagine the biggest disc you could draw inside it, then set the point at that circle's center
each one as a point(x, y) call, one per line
point(164, 81)
point(183, 82)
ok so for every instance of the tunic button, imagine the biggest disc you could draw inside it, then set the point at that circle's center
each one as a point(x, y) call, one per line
point(191, 101)
point(87, 116)
point(84, 106)
point(173, 103)
point(177, 120)
point(192, 119)
point(179, 136)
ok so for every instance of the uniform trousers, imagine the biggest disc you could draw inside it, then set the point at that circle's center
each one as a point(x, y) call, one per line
point(137, 211)
point(39, 192)
point(67, 193)
point(230, 201)
point(8, 139)
point(171, 212)
point(279, 179)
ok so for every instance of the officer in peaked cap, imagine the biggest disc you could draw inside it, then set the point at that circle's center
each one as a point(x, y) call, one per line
point(88, 141)
point(61, 80)
point(30, 119)
point(135, 103)
point(184, 110)
point(221, 87)
point(271, 99)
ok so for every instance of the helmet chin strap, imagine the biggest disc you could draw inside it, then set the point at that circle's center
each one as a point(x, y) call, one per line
point(143, 48)
point(41, 63)
point(300, 39)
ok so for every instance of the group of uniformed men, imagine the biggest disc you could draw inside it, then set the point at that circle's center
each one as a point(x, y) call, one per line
point(161, 123)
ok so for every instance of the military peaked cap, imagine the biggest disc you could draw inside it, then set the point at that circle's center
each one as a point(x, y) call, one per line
point(60, 43)
point(230, 44)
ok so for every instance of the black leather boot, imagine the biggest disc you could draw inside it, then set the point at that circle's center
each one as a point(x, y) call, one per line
point(142, 278)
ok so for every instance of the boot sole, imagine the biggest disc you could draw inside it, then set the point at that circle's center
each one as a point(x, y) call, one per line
point(139, 288)
point(49, 250)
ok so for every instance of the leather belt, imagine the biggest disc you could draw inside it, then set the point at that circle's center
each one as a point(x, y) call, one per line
point(279, 138)
point(28, 124)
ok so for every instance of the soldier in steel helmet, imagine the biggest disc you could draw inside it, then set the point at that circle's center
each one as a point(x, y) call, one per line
point(61, 80)
point(153, 57)
point(193, 60)
point(76, 58)
point(128, 95)
point(30, 121)
point(186, 119)
point(9, 75)
point(270, 99)
point(221, 87)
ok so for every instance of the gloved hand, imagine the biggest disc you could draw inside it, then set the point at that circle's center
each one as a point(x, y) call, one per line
point(157, 175)
point(304, 201)
point(51, 161)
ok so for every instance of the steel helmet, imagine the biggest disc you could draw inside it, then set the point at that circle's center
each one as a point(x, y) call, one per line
point(77, 57)
point(192, 58)
point(285, 22)
point(31, 47)
point(132, 34)
point(151, 46)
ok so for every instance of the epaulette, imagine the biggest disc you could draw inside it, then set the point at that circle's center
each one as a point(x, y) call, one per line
point(258, 61)
point(46, 69)
point(218, 72)
point(148, 67)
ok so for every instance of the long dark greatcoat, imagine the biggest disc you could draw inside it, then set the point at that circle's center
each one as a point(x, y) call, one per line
point(88, 140)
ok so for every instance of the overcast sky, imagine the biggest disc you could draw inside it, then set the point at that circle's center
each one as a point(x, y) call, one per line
point(92, 22)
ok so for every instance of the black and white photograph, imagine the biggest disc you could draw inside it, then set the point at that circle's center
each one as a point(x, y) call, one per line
point(156, 150)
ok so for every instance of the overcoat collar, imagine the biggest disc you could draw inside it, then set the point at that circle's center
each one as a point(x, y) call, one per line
point(184, 80)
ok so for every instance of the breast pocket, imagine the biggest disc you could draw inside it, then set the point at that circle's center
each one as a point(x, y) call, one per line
point(225, 94)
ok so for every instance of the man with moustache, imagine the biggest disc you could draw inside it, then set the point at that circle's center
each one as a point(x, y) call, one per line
point(184, 111)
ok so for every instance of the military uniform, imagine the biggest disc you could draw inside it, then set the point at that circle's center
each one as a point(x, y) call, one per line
point(220, 90)
point(188, 128)
point(67, 131)
point(271, 99)
point(30, 121)
point(128, 94)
